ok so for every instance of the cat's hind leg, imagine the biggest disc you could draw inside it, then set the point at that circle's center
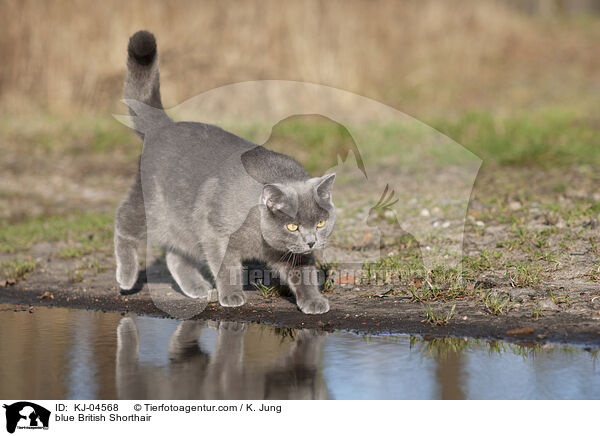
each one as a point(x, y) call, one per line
point(188, 277)
point(130, 228)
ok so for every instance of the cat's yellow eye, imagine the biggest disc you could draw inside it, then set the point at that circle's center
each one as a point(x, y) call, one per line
point(292, 227)
point(320, 224)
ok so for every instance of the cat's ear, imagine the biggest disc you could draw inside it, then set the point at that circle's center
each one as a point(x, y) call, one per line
point(274, 197)
point(323, 186)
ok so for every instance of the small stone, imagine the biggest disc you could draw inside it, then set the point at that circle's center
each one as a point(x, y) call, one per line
point(547, 304)
point(514, 205)
point(520, 295)
point(45, 295)
point(425, 213)
point(550, 220)
point(523, 331)
point(346, 280)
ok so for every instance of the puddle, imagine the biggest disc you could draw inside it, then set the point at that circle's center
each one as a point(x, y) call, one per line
point(57, 353)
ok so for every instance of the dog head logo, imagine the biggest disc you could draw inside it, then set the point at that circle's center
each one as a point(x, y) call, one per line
point(26, 415)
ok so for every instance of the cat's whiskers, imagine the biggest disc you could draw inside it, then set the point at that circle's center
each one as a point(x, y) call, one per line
point(286, 257)
point(296, 260)
point(282, 256)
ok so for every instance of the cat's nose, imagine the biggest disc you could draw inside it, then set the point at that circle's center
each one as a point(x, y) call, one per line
point(311, 244)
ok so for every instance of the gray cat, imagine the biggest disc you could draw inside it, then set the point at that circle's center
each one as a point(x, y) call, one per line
point(212, 198)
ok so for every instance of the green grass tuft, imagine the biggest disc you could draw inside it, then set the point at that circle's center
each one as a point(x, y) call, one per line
point(438, 318)
point(16, 270)
point(266, 291)
point(496, 304)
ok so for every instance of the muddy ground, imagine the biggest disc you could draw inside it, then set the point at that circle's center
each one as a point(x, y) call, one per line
point(358, 311)
point(530, 260)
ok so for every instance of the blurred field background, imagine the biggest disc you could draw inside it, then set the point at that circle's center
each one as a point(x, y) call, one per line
point(485, 72)
point(515, 81)
point(428, 58)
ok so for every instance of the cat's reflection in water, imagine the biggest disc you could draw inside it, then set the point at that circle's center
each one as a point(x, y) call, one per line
point(194, 374)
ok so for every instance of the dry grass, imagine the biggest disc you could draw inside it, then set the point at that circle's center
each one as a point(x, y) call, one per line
point(426, 57)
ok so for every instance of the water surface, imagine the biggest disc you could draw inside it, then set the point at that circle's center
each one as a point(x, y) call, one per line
point(73, 354)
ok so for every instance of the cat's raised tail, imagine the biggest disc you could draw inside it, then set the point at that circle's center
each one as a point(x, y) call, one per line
point(142, 83)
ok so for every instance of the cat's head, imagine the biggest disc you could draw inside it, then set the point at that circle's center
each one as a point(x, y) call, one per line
point(298, 217)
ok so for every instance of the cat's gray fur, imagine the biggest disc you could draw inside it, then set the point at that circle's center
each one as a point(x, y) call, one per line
point(208, 196)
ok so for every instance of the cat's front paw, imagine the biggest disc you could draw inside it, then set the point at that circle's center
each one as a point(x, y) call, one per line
point(197, 292)
point(314, 305)
point(127, 276)
point(232, 300)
